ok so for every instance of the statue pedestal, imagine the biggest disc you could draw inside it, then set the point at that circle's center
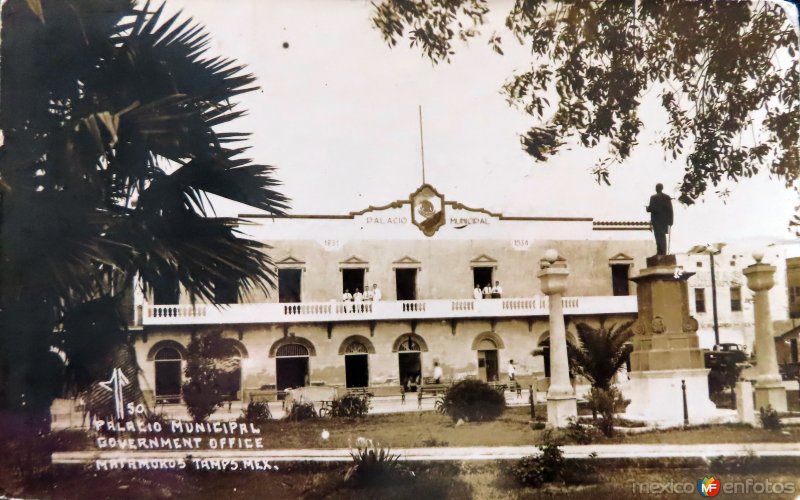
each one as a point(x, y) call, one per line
point(772, 394)
point(666, 350)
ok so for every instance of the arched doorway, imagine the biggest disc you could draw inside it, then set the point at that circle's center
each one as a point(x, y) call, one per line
point(488, 364)
point(356, 365)
point(168, 363)
point(409, 356)
point(291, 366)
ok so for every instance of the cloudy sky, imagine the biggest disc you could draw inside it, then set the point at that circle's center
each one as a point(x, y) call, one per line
point(338, 114)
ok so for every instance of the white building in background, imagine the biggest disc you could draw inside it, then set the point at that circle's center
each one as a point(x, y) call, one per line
point(734, 299)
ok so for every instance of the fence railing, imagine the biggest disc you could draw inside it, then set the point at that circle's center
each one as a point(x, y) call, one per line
point(382, 310)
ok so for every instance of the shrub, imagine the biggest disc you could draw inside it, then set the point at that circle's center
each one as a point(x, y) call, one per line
point(735, 465)
point(724, 371)
point(604, 403)
point(551, 466)
point(432, 442)
point(580, 433)
point(374, 464)
point(257, 412)
point(350, 406)
point(301, 411)
point(472, 400)
point(769, 418)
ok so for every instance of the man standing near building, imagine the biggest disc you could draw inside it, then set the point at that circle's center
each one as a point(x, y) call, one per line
point(437, 373)
point(512, 370)
point(477, 294)
point(487, 291)
point(660, 209)
point(376, 293)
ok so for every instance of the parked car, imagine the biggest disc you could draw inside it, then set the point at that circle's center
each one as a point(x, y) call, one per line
point(725, 353)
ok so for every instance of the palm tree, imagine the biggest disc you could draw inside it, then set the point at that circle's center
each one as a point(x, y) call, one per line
point(600, 352)
point(115, 131)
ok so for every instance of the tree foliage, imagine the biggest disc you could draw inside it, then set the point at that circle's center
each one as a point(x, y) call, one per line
point(207, 372)
point(725, 74)
point(116, 124)
point(600, 352)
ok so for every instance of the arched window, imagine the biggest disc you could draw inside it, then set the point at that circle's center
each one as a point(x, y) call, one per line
point(408, 345)
point(356, 348)
point(168, 375)
point(290, 350)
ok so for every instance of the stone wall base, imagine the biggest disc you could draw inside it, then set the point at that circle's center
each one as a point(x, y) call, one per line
point(773, 395)
point(656, 397)
point(560, 410)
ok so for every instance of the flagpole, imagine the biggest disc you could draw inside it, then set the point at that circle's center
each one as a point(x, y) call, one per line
point(421, 144)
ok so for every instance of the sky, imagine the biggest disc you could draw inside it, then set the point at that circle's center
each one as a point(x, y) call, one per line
point(337, 113)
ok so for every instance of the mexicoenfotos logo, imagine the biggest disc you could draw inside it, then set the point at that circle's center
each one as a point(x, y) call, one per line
point(709, 486)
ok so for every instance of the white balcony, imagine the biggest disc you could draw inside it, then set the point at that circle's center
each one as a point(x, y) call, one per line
point(204, 314)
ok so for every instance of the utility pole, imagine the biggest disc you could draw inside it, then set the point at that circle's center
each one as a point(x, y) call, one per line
point(714, 296)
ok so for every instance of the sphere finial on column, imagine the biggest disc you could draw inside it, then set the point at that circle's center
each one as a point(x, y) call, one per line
point(758, 255)
point(551, 255)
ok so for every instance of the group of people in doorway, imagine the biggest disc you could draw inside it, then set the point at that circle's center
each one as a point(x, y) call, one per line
point(370, 294)
point(487, 292)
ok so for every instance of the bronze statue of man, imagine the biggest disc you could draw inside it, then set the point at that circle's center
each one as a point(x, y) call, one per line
point(660, 209)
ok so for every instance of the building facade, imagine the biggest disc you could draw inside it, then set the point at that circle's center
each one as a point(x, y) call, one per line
point(734, 299)
point(426, 254)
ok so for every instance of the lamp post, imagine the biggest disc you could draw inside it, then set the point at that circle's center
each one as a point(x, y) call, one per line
point(711, 250)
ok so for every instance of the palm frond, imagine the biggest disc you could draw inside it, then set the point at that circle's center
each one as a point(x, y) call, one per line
point(601, 352)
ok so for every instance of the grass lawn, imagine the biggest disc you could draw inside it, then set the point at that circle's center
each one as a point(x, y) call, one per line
point(431, 481)
point(424, 429)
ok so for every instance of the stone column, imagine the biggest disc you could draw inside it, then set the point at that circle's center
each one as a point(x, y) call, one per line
point(769, 385)
point(561, 401)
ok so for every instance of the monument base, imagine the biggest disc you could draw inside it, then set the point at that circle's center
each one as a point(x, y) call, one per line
point(771, 394)
point(560, 409)
point(657, 397)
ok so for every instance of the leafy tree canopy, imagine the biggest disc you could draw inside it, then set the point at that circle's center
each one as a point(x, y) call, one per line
point(725, 73)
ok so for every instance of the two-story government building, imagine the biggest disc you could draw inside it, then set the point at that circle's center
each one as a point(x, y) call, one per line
point(425, 253)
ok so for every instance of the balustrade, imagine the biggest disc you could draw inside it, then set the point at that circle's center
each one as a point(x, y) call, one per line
point(383, 310)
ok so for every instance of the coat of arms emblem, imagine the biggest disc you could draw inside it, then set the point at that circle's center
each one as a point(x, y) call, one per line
point(427, 209)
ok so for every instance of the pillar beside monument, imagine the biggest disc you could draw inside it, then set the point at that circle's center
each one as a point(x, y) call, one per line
point(666, 350)
point(561, 400)
point(769, 384)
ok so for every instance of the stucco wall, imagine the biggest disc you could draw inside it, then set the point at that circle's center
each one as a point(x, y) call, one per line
point(454, 352)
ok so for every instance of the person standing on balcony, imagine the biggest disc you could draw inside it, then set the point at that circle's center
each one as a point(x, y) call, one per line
point(477, 294)
point(358, 298)
point(376, 293)
point(497, 291)
point(487, 291)
point(367, 294)
point(347, 298)
point(512, 370)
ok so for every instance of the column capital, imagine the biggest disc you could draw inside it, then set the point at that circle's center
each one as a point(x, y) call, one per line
point(553, 279)
point(760, 276)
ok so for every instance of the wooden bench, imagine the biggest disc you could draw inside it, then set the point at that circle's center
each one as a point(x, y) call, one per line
point(499, 386)
point(360, 391)
point(429, 390)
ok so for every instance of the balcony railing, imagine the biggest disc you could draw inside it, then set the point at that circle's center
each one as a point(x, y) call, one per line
point(204, 314)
